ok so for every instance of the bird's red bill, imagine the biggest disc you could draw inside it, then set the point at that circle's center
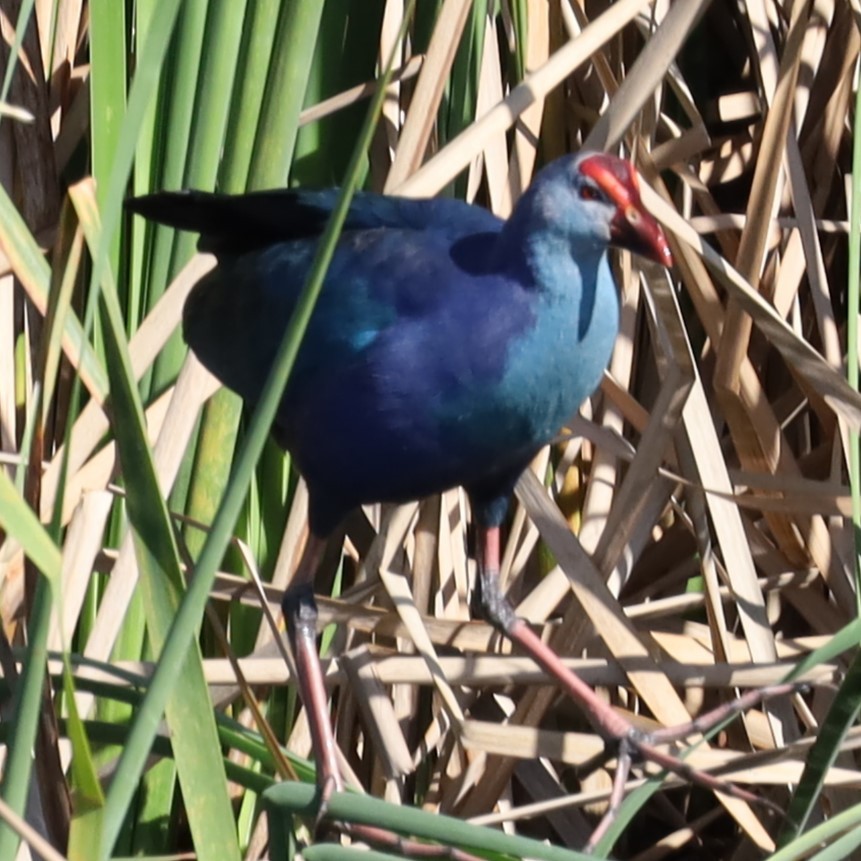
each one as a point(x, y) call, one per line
point(634, 227)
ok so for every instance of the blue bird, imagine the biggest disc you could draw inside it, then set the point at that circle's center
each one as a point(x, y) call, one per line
point(447, 347)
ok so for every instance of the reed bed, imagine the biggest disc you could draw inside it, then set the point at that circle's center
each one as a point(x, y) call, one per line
point(692, 534)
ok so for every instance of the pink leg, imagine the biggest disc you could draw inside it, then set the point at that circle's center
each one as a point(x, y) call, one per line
point(612, 727)
point(300, 613)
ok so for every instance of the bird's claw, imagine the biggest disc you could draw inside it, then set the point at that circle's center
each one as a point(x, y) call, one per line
point(635, 744)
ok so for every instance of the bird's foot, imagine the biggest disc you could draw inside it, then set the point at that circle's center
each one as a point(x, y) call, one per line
point(631, 743)
point(300, 613)
point(619, 734)
point(634, 744)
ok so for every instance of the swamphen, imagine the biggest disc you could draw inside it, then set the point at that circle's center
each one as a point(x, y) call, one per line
point(447, 347)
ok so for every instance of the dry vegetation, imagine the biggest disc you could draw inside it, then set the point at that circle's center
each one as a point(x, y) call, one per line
point(706, 481)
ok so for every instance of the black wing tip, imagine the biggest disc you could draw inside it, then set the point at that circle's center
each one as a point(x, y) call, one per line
point(182, 209)
point(234, 224)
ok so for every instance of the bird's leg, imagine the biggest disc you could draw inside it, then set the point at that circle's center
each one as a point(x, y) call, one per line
point(495, 607)
point(300, 614)
point(612, 726)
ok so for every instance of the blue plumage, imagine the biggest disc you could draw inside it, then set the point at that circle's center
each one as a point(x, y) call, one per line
point(446, 348)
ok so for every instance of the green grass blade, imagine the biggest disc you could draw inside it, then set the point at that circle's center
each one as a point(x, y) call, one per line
point(334, 852)
point(30, 267)
point(214, 75)
point(324, 148)
point(24, 14)
point(27, 710)
point(287, 799)
point(86, 826)
point(217, 439)
point(19, 522)
point(174, 105)
point(852, 302)
point(842, 848)
point(188, 709)
point(108, 77)
point(843, 641)
point(841, 822)
point(249, 88)
point(292, 54)
point(840, 719)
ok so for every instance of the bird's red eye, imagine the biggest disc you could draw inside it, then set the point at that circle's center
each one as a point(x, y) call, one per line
point(589, 192)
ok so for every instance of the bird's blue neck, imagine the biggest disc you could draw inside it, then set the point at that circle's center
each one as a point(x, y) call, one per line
point(545, 258)
point(563, 271)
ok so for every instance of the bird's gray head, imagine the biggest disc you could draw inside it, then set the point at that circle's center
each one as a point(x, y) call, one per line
point(594, 198)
